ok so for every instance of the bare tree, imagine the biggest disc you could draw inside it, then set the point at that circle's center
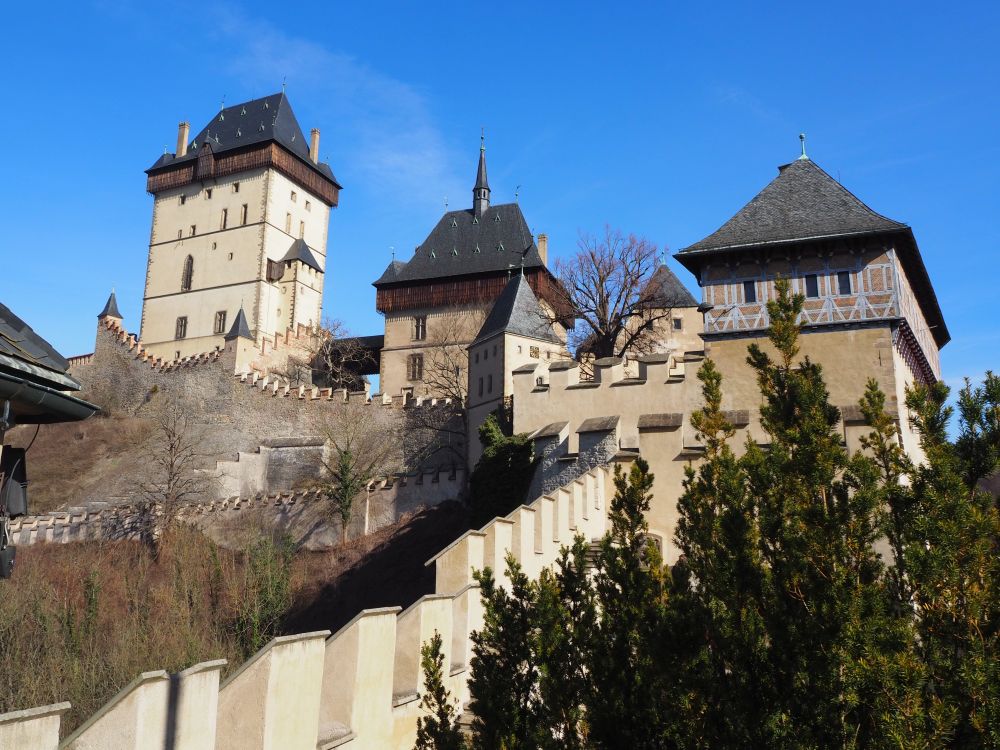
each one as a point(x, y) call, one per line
point(332, 358)
point(607, 286)
point(172, 455)
point(361, 446)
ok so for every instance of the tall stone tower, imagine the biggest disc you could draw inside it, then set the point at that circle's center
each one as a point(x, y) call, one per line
point(240, 217)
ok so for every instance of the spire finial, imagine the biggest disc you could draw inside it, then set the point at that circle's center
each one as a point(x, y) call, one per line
point(802, 140)
point(392, 250)
point(517, 190)
point(222, 104)
point(283, 80)
point(482, 140)
point(446, 203)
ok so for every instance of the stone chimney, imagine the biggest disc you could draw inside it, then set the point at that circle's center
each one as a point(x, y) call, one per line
point(182, 138)
point(543, 248)
point(314, 146)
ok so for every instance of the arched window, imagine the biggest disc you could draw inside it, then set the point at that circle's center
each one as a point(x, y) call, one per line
point(188, 274)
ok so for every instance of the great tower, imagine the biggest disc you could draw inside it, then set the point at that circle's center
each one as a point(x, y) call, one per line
point(240, 220)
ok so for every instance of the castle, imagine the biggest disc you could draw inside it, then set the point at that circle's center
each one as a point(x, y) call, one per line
point(476, 304)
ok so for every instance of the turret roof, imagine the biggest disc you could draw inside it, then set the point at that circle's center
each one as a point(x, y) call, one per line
point(300, 251)
point(239, 329)
point(110, 308)
point(667, 289)
point(518, 311)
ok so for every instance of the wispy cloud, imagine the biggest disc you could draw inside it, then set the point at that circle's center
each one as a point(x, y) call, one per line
point(395, 142)
point(741, 99)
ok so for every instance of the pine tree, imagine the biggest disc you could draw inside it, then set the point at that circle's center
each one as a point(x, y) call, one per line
point(439, 729)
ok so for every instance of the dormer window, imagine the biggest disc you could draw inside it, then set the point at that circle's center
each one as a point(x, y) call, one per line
point(496, 219)
point(500, 248)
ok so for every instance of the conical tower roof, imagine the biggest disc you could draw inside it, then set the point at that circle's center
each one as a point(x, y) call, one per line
point(110, 308)
point(239, 329)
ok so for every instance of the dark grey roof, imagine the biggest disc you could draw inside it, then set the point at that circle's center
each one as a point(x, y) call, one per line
point(391, 272)
point(667, 289)
point(269, 118)
point(661, 421)
point(110, 308)
point(517, 311)
point(34, 358)
point(481, 181)
point(599, 424)
point(802, 202)
point(300, 251)
point(805, 203)
point(239, 329)
point(463, 244)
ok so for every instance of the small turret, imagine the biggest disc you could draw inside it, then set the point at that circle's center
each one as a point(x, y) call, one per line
point(110, 309)
point(239, 329)
point(481, 191)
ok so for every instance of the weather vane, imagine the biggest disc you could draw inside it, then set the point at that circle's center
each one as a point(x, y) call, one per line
point(802, 140)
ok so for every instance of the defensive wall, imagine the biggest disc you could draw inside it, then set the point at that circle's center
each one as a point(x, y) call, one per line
point(577, 424)
point(253, 427)
point(357, 688)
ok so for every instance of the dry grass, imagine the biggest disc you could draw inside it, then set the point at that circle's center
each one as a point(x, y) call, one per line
point(70, 461)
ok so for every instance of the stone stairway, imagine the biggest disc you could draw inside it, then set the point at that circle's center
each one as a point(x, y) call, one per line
point(357, 688)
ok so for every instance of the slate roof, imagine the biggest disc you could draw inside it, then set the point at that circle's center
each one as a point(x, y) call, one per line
point(239, 329)
point(110, 308)
point(451, 247)
point(33, 357)
point(300, 251)
point(803, 202)
point(517, 311)
point(668, 289)
point(269, 118)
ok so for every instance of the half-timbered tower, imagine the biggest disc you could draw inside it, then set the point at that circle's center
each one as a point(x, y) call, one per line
point(870, 309)
point(240, 218)
point(435, 303)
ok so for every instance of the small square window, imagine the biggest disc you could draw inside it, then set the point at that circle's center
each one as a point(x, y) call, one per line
point(812, 286)
point(295, 196)
point(236, 187)
point(844, 282)
point(183, 199)
point(749, 291)
point(678, 324)
point(309, 206)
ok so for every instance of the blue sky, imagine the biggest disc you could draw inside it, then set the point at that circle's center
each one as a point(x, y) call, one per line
point(660, 119)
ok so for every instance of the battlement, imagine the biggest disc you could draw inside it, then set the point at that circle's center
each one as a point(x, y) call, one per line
point(357, 688)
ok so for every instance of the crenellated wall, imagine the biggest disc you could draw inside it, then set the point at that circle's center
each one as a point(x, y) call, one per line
point(356, 689)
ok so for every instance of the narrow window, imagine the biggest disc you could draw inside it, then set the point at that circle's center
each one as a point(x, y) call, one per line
point(486, 354)
point(415, 367)
point(678, 324)
point(181, 330)
point(480, 386)
point(187, 276)
point(225, 218)
point(230, 256)
point(844, 282)
point(236, 187)
point(193, 230)
point(180, 234)
point(309, 206)
point(208, 193)
point(295, 196)
point(419, 327)
point(812, 286)
point(494, 350)
point(177, 355)
point(749, 291)
point(489, 384)
point(288, 223)
point(183, 199)
point(477, 358)
point(302, 229)
point(243, 214)
point(220, 321)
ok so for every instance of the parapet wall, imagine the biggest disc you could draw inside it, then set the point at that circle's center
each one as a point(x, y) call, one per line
point(306, 515)
point(358, 688)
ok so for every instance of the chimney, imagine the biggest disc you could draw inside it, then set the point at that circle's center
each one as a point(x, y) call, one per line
point(543, 248)
point(314, 146)
point(182, 138)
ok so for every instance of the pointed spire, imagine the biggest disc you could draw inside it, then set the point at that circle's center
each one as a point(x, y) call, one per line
point(110, 308)
point(240, 328)
point(481, 190)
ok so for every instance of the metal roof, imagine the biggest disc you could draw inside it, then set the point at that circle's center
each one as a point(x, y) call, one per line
point(517, 311)
point(300, 251)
